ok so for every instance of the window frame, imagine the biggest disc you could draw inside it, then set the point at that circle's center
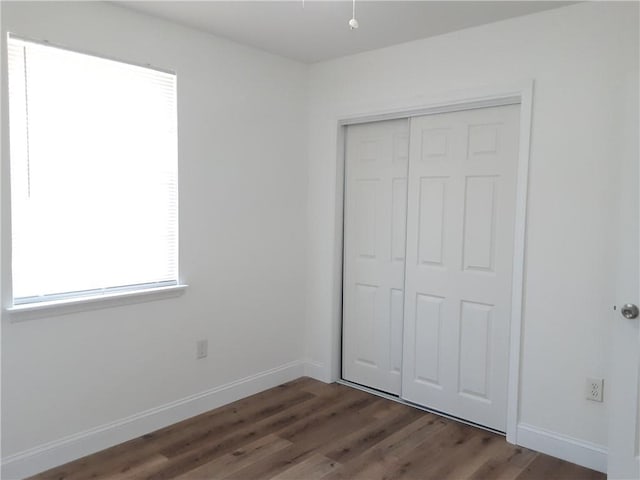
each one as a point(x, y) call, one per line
point(73, 301)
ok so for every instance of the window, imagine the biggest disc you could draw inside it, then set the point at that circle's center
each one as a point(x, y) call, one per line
point(94, 192)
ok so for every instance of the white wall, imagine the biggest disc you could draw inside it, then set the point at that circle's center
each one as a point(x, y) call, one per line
point(242, 237)
point(576, 56)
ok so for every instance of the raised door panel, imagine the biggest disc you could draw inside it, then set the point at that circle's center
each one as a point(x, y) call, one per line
point(479, 223)
point(431, 217)
point(395, 330)
point(475, 347)
point(365, 217)
point(398, 219)
point(365, 319)
point(427, 339)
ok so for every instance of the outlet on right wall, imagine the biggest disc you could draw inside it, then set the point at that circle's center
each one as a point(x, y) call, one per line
point(576, 56)
point(595, 389)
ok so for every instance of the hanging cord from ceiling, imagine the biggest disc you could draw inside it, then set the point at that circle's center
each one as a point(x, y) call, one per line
point(353, 23)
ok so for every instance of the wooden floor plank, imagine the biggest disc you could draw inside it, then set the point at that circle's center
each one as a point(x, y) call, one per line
point(550, 468)
point(505, 465)
point(207, 451)
point(311, 434)
point(138, 470)
point(308, 430)
point(230, 463)
point(373, 462)
point(232, 421)
point(460, 458)
point(354, 444)
point(426, 454)
point(327, 425)
point(275, 464)
point(315, 467)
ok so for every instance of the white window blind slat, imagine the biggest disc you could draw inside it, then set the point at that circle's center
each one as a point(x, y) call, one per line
point(93, 173)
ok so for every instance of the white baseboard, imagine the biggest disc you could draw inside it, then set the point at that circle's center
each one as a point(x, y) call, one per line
point(63, 450)
point(567, 448)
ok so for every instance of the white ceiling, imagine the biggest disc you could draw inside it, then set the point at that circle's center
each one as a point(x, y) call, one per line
point(319, 31)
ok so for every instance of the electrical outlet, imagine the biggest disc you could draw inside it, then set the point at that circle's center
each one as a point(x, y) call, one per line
point(202, 349)
point(594, 389)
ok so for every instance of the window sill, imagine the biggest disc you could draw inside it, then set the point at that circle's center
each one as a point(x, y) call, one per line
point(72, 305)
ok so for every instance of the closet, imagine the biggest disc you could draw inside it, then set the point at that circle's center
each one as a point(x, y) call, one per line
point(429, 213)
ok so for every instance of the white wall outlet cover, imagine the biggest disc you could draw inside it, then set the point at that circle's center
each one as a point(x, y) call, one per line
point(594, 389)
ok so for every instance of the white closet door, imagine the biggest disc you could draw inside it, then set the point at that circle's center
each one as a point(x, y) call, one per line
point(460, 226)
point(376, 161)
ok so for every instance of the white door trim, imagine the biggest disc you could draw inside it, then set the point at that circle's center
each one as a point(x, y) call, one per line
point(433, 109)
point(479, 98)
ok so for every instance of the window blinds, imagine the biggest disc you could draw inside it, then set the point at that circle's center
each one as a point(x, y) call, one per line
point(94, 192)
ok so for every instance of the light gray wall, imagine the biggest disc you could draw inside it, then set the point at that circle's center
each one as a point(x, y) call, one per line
point(577, 57)
point(241, 116)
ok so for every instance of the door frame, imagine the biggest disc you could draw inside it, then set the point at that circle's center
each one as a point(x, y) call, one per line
point(521, 94)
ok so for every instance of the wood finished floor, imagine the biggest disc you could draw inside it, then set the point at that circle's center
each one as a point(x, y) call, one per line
point(307, 430)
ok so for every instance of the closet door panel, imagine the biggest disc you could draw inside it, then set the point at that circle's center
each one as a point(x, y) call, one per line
point(460, 221)
point(376, 162)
